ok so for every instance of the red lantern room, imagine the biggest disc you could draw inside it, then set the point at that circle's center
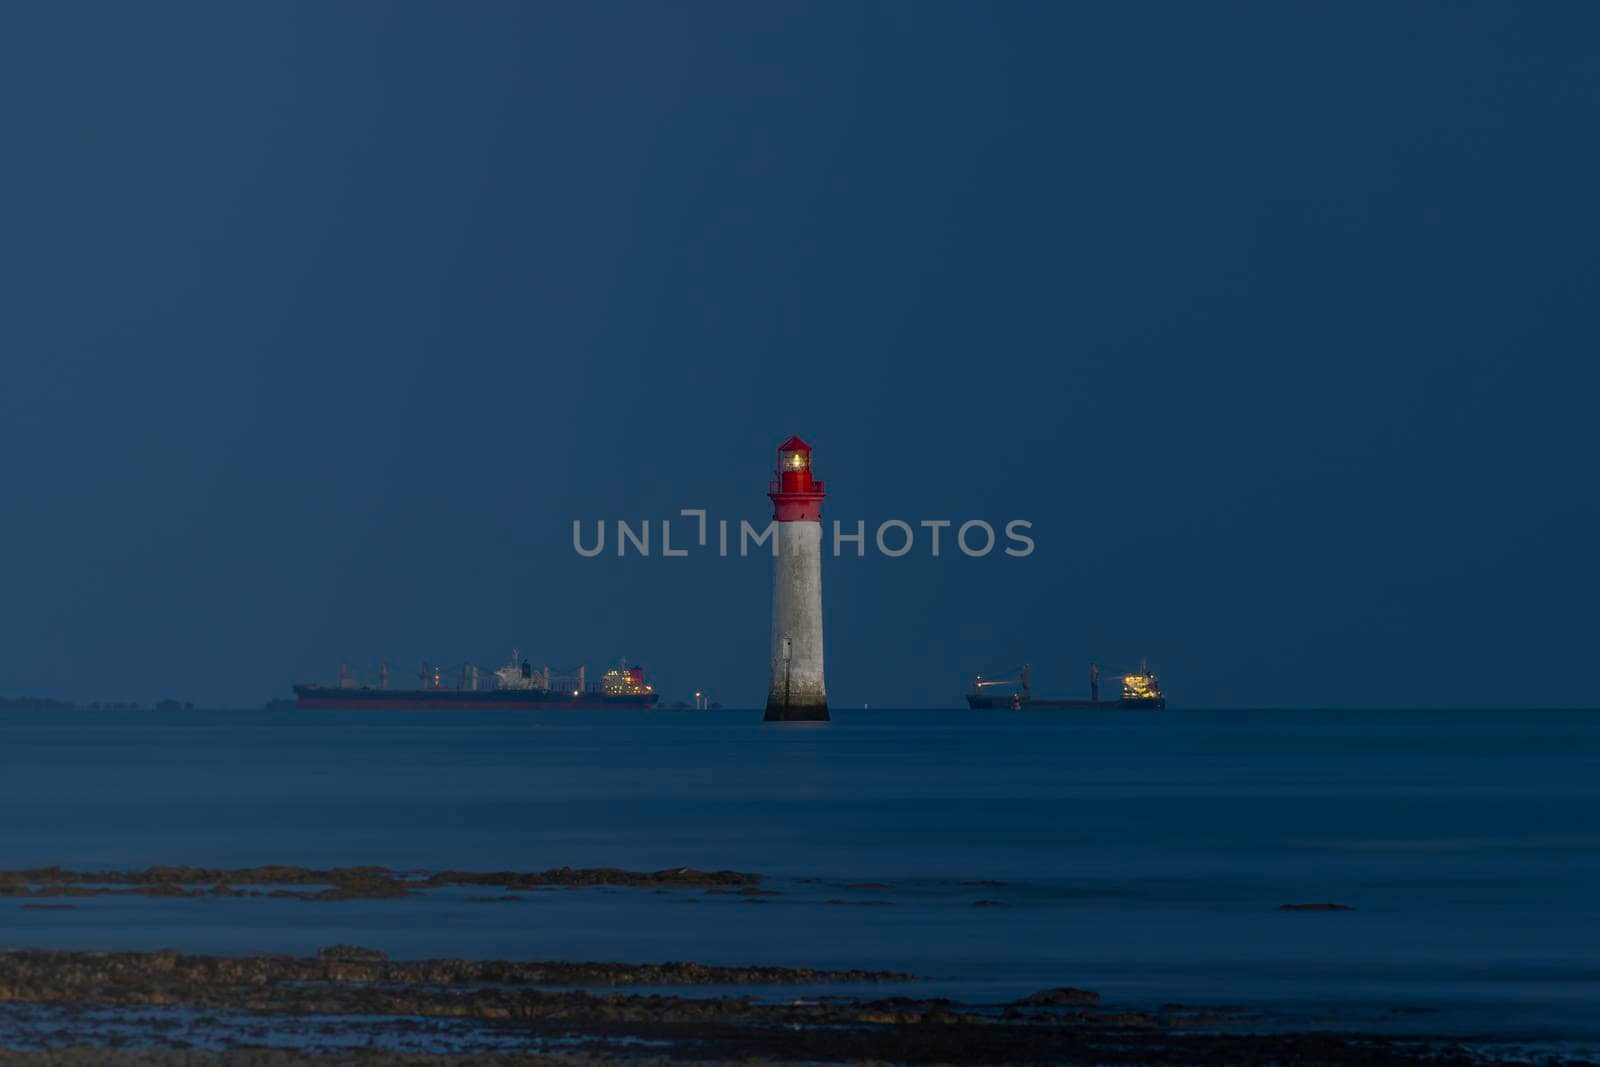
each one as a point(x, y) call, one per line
point(796, 496)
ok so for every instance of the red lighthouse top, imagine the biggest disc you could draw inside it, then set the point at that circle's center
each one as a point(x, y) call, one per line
point(796, 495)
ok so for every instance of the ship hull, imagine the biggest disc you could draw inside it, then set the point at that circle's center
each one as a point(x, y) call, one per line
point(328, 698)
point(980, 701)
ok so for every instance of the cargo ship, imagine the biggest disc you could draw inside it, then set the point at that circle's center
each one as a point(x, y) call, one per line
point(1140, 689)
point(517, 686)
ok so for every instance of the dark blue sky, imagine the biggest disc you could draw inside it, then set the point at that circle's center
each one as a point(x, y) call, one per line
point(321, 323)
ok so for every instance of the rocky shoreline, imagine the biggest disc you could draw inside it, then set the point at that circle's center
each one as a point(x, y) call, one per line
point(347, 883)
point(351, 1004)
point(354, 979)
point(171, 1008)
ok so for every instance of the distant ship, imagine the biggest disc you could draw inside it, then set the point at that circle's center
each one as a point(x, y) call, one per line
point(1140, 689)
point(515, 686)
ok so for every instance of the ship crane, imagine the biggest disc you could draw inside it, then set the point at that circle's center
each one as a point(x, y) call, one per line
point(1024, 678)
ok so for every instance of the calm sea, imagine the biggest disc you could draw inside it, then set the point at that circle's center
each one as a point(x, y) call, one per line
point(1143, 854)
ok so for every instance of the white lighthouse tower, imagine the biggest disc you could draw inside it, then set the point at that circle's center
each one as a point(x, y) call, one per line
point(797, 693)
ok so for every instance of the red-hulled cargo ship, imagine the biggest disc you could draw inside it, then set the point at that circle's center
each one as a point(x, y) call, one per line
point(517, 685)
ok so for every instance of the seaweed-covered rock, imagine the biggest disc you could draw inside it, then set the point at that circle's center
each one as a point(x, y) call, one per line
point(351, 952)
point(1060, 997)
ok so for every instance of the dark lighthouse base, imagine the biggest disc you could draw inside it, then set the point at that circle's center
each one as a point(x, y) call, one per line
point(795, 711)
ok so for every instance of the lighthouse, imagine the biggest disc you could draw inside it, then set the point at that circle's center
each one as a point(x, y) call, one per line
point(797, 693)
